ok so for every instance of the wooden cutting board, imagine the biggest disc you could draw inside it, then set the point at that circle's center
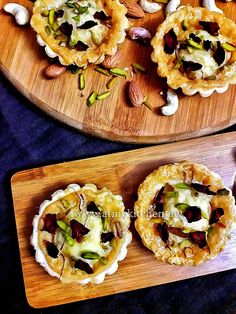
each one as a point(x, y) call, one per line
point(22, 61)
point(121, 173)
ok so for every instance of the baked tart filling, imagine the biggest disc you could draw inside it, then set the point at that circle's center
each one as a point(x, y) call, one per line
point(185, 214)
point(80, 32)
point(81, 234)
point(196, 50)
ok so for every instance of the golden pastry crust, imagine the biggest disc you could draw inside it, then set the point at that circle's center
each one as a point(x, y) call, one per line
point(166, 62)
point(70, 205)
point(95, 53)
point(181, 250)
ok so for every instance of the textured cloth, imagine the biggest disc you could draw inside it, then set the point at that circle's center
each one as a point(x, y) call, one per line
point(30, 138)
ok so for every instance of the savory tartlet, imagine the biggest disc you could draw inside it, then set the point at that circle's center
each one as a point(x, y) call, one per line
point(81, 234)
point(184, 213)
point(79, 32)
point(196, 51)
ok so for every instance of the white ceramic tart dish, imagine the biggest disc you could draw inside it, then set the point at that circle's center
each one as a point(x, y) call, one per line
point(79, 32)
point(184, 213)
point(195, 50)
point(81, 234)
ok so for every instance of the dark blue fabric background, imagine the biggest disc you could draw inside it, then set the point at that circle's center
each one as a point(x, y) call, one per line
point(30, 138)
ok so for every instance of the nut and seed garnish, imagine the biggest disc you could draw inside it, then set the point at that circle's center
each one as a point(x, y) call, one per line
point(102, 71)
point(135, 94)
point(91, 99)
point(134, 10)
point(103, 95)
point(111, 82)
point(81, 81)
point(162, 1)
point(112, 61)
point(139, 68)
point(139, 33)
point(119, 72)
point(54, 70)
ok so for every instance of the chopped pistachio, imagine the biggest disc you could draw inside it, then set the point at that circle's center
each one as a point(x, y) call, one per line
point(104, 222)
point(81, 81)
point(209, 231)
point(185, 243)
point(81, 9)
point(76, 18)
point(178, 64)
point(55, 27)
point(119, 72)
point(145, 103)
point(161, 1)
point(193, 44)
point(111, 82)
point(103, 260)
point(57, 33)
point(171, 194)
point(62, 225)
point(48, 29)
point(51, 16)
point(103, 95)
point(182, 185)
point(186, 231)
point(102, 71)
point(70, 4)
point(91, 99)
point(228, 47)
point(90, 255)
point(184, 25)
point(204, 215)
point(45, 13)
point(94, 38)
point(69, 239)
point(139, 67)
point(181, 206)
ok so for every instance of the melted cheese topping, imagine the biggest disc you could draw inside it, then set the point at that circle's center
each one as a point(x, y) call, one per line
point(204, 57)
point(175, 218)
point(100, 30)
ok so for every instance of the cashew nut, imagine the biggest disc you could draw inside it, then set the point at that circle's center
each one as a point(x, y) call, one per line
point(172, 103)
point(172, 6)
point(21, 14)
point(149, 7)
point(211, 6)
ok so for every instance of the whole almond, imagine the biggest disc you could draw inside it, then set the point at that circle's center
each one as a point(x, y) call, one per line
point(54, 70)
point(111, 62)
point(135, 94)
point(134, 10)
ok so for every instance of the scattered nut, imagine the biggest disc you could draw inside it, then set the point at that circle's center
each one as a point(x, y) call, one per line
point(117, 228)
point(172, 103)
point(135, 94)
point(172, 6)
point(54, 70)
point(188, 252)
point(21, 14)
point(134, 10)
point(138, 33)
point(112, 61)
point(211, 6)
point(149, 7)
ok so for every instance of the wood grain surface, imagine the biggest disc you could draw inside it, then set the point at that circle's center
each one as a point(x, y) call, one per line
point(121, 173)
point(22, 61)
